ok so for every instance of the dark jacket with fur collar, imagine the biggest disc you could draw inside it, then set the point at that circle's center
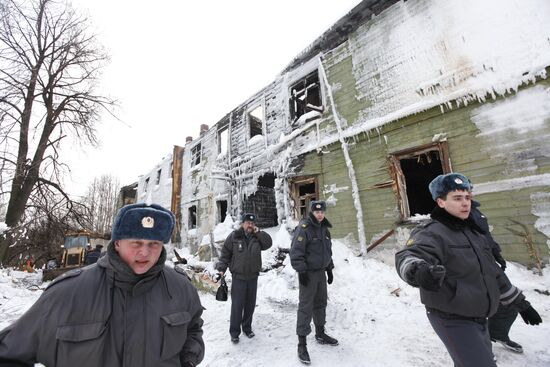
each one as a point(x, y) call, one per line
point(105, 315)
point(473, 282)
point(311, 247)
point(243, 255)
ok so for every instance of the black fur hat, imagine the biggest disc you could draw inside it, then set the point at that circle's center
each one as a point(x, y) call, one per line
point(143, 222)
point(443, 184)
point(318, 205)
point(248, 216)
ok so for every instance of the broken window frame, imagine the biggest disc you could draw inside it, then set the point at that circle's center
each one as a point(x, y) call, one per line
point(399, 180)
point(294, 97)
point(295, 183)
point(196, 153)
point(249, 121)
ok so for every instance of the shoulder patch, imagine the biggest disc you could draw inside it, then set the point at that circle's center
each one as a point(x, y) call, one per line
point(300, 238)
point(69, 274)
point(410, 242)
point(304, 225)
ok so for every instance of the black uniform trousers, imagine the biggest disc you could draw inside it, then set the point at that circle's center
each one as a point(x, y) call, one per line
point(312, 303)
point(467, 341)
point(243, 303)
point(501, 322)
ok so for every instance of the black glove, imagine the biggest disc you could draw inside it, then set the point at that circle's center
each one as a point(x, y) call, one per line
point(530, 316)
point(303, 278)
point(188, 364)
point(330, 276)
point(429, 277)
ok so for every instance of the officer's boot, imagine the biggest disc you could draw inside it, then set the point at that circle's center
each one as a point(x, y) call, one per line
point(303, 355)
point(323, 338)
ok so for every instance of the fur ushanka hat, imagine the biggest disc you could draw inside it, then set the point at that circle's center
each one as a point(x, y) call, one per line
point(143, 222)
point(443, 184)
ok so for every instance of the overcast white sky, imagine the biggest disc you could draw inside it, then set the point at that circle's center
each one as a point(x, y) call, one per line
point(178, 64)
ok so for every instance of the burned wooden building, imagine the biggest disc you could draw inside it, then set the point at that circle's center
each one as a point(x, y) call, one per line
point(393, 94)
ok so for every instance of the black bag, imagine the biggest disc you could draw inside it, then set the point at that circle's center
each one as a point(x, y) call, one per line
point(221, 294)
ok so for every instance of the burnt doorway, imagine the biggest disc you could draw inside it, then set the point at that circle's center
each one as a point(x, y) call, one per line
point(262, 202)
point(414, 169)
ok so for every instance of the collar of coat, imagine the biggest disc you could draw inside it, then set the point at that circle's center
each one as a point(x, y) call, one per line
point(315, 222)
point(239, 234)
point(449, 220)
point(122, 276)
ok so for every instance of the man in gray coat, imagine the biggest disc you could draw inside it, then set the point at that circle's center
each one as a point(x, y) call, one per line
point(128, 309)
point(450, 260)
point(242, 253)
point(311, 257)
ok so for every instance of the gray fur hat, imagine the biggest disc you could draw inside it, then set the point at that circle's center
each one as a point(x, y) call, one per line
point(143, 222)
point(443, 184)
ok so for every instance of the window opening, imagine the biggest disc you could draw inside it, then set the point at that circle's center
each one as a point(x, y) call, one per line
point(159, 172)
point(222, 210)
point(196, 155)
point(223, 141)
point(255, 120)
point(305, 96)
point(192, 217)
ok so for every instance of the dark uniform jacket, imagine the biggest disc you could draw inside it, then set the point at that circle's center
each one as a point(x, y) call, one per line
point(474, 284)
point(105, 315)
point(481, 221)
point(242, 254)
point(311, 247)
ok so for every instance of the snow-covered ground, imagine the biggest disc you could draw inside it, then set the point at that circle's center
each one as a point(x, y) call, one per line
point(375, 324)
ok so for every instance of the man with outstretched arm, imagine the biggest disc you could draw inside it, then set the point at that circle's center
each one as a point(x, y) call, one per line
point(461, 285)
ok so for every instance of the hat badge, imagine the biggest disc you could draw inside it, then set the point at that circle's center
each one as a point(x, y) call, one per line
point(318, 206)
point(148, 222)
point(458, 181)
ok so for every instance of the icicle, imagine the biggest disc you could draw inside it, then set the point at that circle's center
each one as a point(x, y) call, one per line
point(349, 163)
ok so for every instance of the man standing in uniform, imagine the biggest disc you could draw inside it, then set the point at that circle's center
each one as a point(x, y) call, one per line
point(242, 253)
point(311, 257)
point(140, 312)
point(450, 260)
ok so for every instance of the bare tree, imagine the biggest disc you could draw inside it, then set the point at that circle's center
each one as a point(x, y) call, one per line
point(101, 201)
point(49, 67)
point(49, 219)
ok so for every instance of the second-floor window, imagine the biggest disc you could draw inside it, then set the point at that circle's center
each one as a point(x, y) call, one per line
point(305, 96)
point(196, 155)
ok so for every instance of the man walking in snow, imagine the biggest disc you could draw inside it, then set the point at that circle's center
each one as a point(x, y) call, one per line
point(140, 312)
point(311, 257)
point(450, 260)
point(242, 253)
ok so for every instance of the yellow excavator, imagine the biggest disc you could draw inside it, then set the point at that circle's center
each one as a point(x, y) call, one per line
point(73, 252)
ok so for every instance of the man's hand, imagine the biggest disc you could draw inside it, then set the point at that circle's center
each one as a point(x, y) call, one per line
point(303, 278)
point(330, 276)
point(429, 277)
point(530, 316)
